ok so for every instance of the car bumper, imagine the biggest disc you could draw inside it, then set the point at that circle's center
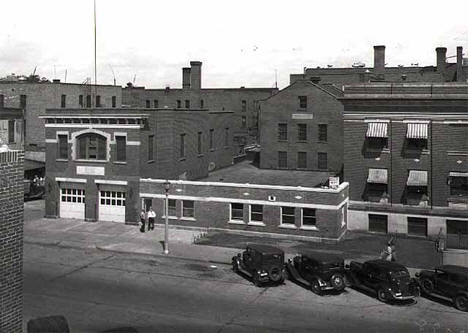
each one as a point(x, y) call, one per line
point(402, 297)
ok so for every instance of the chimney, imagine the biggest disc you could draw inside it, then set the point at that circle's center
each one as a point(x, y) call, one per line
point(460, 64)
point(186, 78)
point(379, 59)
point(441, 58)
point(195, 75)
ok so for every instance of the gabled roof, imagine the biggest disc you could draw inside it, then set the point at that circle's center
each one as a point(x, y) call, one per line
point(328, 88)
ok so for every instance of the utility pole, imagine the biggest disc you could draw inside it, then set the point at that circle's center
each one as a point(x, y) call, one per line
point(166, 210)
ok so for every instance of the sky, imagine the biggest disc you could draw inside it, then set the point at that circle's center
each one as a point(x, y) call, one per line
point(241, 42)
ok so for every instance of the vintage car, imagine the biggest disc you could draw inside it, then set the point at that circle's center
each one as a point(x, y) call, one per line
point(262, 263)
point(318, 271)
point(448, 282)
point(390, 281)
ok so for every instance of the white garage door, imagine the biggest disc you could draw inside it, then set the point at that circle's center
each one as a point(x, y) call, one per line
point(112, 206)
point(72, 203)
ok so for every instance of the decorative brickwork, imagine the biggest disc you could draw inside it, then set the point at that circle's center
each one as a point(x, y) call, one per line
point(11, 241)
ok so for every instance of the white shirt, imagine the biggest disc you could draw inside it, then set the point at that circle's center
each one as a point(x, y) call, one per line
point(151, 213)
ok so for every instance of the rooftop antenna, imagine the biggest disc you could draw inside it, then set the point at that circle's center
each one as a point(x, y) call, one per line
point(113, 74)
point(55, 76)
point(276, 78)
point(134, 79)
point(95, 52)
point(34, 72)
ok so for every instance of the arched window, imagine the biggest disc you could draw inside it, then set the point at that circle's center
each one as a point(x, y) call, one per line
point(92, 146)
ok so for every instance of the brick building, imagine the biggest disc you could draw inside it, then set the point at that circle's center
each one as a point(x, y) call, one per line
point(301, 127)
point(11, 127)
point(443, 71)
point(35, 97)
point(406, 159)
point(11, 240)
point(301, 209)
point(242, 101)
point(96, 157)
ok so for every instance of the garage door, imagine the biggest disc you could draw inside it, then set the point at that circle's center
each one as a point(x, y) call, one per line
point(112, 206)
point(72, 203)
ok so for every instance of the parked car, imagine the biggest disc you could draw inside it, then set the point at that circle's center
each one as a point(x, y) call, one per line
point(449, 282)
point(390, 281)
point(262, 263)
point(318, 271)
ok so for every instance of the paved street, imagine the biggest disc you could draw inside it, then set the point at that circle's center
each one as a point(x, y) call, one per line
point(98, 290)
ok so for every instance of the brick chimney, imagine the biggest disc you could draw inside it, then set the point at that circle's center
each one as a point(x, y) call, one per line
point(195, 75)
point(186, 78)
point(460, 77)
point(441, 59)
point(379, 59)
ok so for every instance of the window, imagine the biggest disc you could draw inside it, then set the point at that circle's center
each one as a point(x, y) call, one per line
point(187, 104)
point(92, 146)
point(112, 198)
point(72, 195)
point(301, 132)
point(287, 215)
point(308, 217)
point(63, 101)
point(282, 159)
point(322, 129)
point(156, 104)
point(226, 137)
point(244, 105)
point(151, 148)
point(375, 143)
point(378, 223)
point(121, 142)
point(302, 102)
point(11, 131)
point(199, 144)
point(88, 101)
point(459, 186)
point(80, 101)
point(114, 101)
point(171, 207)
point(256, 213)
point(282, 132)
point(98, 101)
point(417, 226)
point(179, 104)
point(148, 103)
point(237, 212)
point(202, 104)
point(302, 160)
point(211, 139)
point(2, 101)
point(182, 146)
point(244, 121)
point(62, 146)
point(22, 101)
point(322, 161)
point(188, 209)
point(416, 144)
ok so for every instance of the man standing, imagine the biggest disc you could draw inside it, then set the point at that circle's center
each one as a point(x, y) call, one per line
point(151, 217)
point(142, 220)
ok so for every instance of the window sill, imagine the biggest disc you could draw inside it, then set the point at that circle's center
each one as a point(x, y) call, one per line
point(258, 224)
point(92, 161)
point(182, 159)
point(236, 222)
point(61, 160)
point(310, 228)
point(301, 141)
point(287, 226)
point(183, 218)
point(169, 217)
point(120, 162)
point(200, 155)
point(150, 161)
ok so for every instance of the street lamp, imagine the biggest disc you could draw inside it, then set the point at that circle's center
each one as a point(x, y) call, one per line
point(166, 210)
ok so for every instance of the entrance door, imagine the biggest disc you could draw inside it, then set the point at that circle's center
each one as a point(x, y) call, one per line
point(72, 203)
point(112, 206)
point(457, 234)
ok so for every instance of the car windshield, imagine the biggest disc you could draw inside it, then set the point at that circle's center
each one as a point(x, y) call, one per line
point(273, 258)
point(331, 265)
point(399, 275)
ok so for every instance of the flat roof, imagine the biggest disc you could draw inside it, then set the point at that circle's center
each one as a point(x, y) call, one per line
point(246, 172)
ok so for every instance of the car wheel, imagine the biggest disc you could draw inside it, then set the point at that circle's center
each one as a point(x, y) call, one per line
point(337, 282)
point(461, 302)
point(427, 286)
point(256, 280)
point(235, 266)
point(315, 287)
point(381, 295)
point(275, 274)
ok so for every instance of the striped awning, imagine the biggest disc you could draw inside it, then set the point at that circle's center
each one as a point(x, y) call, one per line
point(377, 176)
point(416, 131)
point(417, 178)
point(458, 174)
point(377, 130)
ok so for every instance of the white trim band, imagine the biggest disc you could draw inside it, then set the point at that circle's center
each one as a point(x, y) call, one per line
point(71, 180)
point(110, 182)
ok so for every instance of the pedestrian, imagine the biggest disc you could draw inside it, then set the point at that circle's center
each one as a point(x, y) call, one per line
point(142, 220)
point(151, 217)
point(389, 253)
